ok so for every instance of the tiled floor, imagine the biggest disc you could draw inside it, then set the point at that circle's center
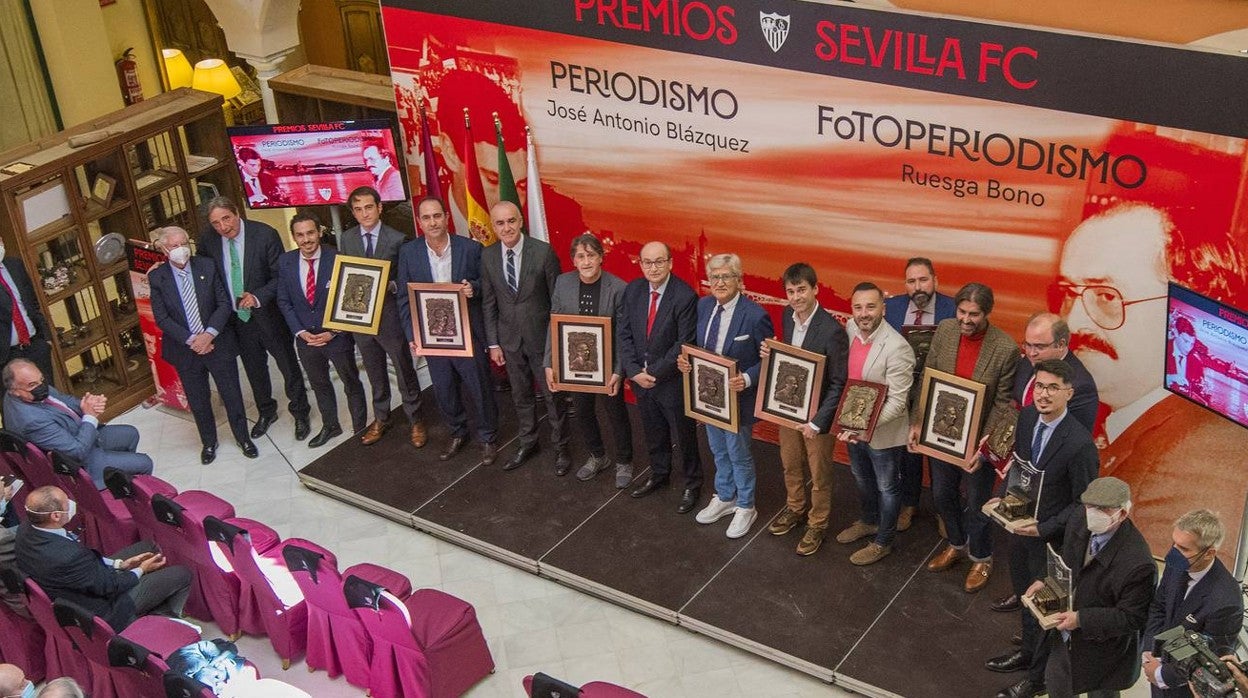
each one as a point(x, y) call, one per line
point(531, 624)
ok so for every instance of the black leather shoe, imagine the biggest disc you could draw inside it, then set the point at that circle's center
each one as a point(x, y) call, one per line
point(262, 425)
point(1023, 689)
point(1007, 663)
point(302, 428)
point(562, 462)
point(248, 448)
point(522, 454)
point(1016, 640)
point(208, 454)
point(324, 435)
point(651, 485)
point(457, 442)
point(1007, 604)
point(688, 500)
point(488, 453)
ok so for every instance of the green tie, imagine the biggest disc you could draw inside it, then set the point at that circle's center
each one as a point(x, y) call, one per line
point(236, 279)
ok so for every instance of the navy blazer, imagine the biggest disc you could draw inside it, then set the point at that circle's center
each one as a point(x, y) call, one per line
point(262, 247)
point(824, 336)
point(1214, 607)
point(1084, 404)
point(750, 325)
point(214, 310)
point(675, 324)
point(66, 569)
point(292, 298)
point(413, 267)
point(1070, 461)
point(895, 310)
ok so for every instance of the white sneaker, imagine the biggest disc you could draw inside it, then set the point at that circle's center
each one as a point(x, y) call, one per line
point(715, 511)
point(741, 522)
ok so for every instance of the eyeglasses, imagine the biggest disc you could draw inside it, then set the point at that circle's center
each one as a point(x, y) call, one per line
point(722, 278)
point(1049, 388)
point(652, 263)
point(1028, 347)
point(1104, 305)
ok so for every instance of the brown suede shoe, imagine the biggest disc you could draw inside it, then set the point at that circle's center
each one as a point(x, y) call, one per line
point(978, 576)
point(856, 531)
point(373, 433)
point(874, 552)
point(419, 437)
point(905, 518)
point(945, 559)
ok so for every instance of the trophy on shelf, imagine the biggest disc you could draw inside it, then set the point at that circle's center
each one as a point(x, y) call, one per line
point(1023, 484)
point(1057, 594)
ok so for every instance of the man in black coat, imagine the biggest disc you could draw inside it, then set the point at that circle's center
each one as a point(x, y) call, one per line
point(245, 253)
point(1047, 336)
point(1196, 592)
point(23, 330)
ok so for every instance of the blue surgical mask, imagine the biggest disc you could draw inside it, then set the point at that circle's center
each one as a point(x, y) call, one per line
point(29, 690)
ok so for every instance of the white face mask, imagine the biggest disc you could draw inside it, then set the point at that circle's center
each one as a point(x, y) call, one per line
point(180, 255)
point(1099, 521)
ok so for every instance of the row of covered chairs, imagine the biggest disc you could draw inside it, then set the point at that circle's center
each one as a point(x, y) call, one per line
point(365, 622)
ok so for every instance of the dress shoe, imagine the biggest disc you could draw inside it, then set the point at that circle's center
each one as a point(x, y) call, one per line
point(1016, 640)
point(249, 448)
point(488, 453)
point(1008, 663)
point(1023, 689)
point(302, 428)
point(324, 435)
point(262, 425)
point(457, 442)
point(374, 432)
point(977, 577)
point(785, 522)
point(522, 454)
point(650, 486)
point(208, 454)
point(905, 518)
point(688, 500)
point(1008, 604)
point(419, 436)
point(945, 559)
point(715, 510)
point(563, 463)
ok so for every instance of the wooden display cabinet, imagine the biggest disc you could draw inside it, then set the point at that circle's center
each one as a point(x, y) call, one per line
point(150, 165)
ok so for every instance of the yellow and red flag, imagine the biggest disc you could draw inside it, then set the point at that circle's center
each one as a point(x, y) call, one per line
point(475, 210)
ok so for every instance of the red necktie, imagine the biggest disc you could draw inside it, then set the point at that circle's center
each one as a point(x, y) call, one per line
point(23, 331)
point(309, 287)
point(654, 308)
point(918, 316)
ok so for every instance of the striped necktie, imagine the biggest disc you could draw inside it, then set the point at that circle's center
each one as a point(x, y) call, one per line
point(186, 289)
point(511, 271)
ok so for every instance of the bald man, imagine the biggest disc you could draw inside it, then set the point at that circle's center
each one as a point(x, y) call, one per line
point(517, 281)
point(1047, 336)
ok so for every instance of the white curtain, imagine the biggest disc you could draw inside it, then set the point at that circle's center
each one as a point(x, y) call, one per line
point(24, 99)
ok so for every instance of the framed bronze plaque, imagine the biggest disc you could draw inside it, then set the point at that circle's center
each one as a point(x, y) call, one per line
point(440, 322)
point(949, 411)
point(859, 409)
point(357, 290)
point(920, 339)
point(581, 352)
point(791, 381)
point(708, 397)
point(1000, 444)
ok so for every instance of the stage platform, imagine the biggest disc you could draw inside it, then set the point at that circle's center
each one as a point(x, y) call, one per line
point(891, 628)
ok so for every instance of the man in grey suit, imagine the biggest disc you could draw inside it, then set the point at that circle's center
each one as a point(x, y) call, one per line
point(517, 281)
point(376, 240)
point(71, 426)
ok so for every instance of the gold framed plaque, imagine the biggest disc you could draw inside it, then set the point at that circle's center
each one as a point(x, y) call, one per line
point(859, 409)
point(356, 293)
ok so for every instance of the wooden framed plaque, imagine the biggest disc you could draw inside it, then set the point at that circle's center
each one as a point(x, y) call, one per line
point(440, 322)
point(581, 352)
point(791, 383)
point(949, 416)
point(708, 397)
point(859, 409)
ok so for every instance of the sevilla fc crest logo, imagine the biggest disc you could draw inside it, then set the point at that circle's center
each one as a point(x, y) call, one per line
point(775, 28)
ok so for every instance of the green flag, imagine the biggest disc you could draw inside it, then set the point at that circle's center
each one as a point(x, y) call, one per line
point(506, 181)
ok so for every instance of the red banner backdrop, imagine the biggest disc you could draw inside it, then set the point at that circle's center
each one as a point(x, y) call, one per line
point(975, 145)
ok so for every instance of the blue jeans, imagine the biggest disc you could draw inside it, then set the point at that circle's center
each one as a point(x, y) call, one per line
point(734, 465)
point(965, 523)
point(879, 487)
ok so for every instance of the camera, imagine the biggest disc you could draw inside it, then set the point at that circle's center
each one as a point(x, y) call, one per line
point(1189, 653)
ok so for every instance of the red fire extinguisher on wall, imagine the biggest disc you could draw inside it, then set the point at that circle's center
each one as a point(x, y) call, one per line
point(128, 76)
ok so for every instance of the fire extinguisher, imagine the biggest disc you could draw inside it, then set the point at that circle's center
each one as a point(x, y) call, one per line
point(128, 76)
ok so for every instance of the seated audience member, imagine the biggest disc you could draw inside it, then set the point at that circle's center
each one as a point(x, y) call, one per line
point(216, 664)
point(134, 583)
point(54, 421)
point(13, 682)
point(63, 687)
point(8, 526)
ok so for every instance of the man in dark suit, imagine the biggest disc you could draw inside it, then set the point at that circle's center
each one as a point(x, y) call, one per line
point(517, 280)
point(1050, 438)
point(440, 257)
point(54, 421)
point(731, 324)
point(968, 346)
point(245, 254)
point(807, 452)
point(387, 182)
point(922, 304)
point(657, 316)
point(376, 240)
point(302, 292)
point(1196, 592)
point(134, 582)
point(192, 310)
point(1048, 337)
point(261, 187)
point(23, 330)
point(1095, 647)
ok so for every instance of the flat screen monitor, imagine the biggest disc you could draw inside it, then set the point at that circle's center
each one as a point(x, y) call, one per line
point(316, 164)
point(1207, 352)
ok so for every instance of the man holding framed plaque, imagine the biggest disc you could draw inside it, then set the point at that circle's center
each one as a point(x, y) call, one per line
point(972, 349)
point(878, 354)
point(809, 449)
